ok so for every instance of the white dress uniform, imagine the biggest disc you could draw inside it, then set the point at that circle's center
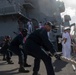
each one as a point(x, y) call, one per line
point(40, 25)
point(29, 27)
point(66, 47)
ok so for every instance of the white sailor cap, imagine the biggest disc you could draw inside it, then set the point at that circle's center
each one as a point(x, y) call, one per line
point(66, 28)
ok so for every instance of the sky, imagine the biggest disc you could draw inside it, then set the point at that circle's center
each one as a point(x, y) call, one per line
point(70, 9)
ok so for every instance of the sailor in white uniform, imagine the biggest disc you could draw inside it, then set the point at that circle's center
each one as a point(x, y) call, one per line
point(29, 24)
point(66, 42)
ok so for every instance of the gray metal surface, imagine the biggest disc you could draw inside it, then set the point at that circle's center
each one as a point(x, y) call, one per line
point(60, 67)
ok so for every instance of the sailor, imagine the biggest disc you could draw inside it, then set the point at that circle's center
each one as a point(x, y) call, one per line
point(29, 26)
point(16, 46)
point(5, 50)
point(66, 42)
point(34, 44)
